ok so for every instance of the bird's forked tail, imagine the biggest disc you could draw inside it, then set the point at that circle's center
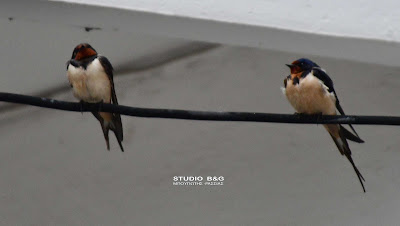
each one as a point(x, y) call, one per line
point(340, 135)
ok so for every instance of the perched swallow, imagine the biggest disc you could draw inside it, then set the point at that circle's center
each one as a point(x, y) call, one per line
point(91, 78)
point(310, 91)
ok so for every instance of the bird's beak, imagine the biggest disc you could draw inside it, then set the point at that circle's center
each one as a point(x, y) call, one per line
point(290, 65)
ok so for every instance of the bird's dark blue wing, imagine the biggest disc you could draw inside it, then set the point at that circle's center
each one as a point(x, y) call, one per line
point(109, 71)
point(321, 75)
point(107, 66)
point(116, 117)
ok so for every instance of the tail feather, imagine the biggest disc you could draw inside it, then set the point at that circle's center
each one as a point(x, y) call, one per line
point(117, 129)
point(344, 149)
point(359, 175)
point(350, 136)
point(339, 144)
point(120, 144)
point(351, 126)
point(105, 132)
point(115, 125)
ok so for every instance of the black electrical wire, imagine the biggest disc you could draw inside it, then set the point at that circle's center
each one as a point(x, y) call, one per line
point(198, 115)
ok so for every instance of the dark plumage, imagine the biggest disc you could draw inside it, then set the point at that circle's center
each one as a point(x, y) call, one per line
point(93, 75)
point(299, 70)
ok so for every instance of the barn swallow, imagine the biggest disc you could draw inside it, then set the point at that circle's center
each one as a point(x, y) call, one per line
point(91, 78)
point(310, 91)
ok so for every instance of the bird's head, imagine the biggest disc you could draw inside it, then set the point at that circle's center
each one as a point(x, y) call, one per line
point(83, 51)
point(301, 65)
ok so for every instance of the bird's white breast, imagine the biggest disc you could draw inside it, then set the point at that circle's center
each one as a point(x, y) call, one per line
point(91, 85)
point(310, 96)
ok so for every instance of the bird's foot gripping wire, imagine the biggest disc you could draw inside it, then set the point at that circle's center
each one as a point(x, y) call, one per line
point(100, 105)
point(82, 105)
point(299, 114)
point(309, 116)
point(319, 116)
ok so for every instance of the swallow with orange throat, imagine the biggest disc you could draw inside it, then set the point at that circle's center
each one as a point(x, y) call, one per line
point(91, 78)
point(310, 91)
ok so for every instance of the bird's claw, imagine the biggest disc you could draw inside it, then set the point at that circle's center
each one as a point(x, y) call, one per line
point(81, 106)
point(100, 105)
point(318, 115)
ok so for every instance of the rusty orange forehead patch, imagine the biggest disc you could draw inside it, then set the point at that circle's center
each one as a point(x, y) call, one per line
point(83, 51)
point(295, 69)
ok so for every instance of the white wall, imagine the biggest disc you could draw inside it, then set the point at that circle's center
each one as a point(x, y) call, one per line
point(340, 29)
point(362, 19)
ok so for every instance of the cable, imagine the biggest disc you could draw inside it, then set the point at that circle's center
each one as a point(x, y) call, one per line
point(198, 115)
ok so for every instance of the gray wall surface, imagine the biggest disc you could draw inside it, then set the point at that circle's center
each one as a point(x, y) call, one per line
point(55, 169)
